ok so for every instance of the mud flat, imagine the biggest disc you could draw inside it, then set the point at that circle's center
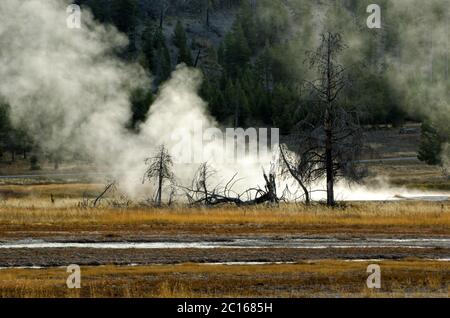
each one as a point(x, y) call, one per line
point(246, 242)
point(40, 253)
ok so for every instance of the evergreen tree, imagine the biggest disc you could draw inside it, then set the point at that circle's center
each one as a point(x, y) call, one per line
point(221, 54)
point(430, 145)
point(141, 101)
point(246, 18)
point(230, 98)
point(211, 93)
point(264, 67)
point(241, 106)
point(148, 47)
point(283, 108)
point(123, 14)
point(5, 127)
point(237, 52)
point(210, 65)
point(180, 41)
point(100, 9)
point(162, 65)
point(179, 36)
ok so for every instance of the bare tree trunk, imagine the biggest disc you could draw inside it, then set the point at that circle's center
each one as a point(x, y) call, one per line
point(205, 189)
point(208, 8)
point(161, 18)
point(329, 131)
point(236, 114)
point(160, 181)
point(197, 58)
point(329, 164)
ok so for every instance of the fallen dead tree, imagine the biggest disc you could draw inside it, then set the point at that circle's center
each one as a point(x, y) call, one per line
point(110, 195)
point(201, 192)
point(87, 202)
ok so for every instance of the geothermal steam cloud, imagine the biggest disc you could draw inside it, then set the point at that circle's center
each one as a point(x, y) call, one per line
point(69, 91)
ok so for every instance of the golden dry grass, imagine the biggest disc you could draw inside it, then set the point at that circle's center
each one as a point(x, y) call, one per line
point(426, 217)
point(311, 279)
point(43, 191)
point(30, 208)
point(412, 175)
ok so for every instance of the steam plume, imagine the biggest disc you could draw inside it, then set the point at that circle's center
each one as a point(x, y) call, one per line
point(70, 92)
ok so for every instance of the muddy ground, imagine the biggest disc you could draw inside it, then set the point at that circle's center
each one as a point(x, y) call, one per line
point(49, 257)
point(242, 248)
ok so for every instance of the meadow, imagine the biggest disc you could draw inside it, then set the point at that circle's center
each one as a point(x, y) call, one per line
point(329, 278)
point(36, 212)
point(54, 211)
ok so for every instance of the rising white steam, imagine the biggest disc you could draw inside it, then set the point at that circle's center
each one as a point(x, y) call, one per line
point(64, 85)
point(421, 66)
point(69, 91)
point(67, 88)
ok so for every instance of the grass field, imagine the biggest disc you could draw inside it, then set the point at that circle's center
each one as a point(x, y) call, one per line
point(27, 212)
point(36, 214)
point(310, 279)
point(43, 209)
point(411, 175)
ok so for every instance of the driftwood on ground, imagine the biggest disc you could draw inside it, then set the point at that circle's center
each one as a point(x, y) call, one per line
point(202, 193)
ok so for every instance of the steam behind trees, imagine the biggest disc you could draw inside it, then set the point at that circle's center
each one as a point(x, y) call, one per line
point(118, 78)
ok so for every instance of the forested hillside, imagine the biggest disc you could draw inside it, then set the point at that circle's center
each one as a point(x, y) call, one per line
point(251, 53)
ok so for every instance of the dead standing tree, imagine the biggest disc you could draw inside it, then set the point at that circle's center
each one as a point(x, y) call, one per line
point(329, 141)
point(331, 82)
point(159, 168)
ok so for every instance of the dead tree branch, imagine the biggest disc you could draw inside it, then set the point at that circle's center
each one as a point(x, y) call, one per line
point(202, 193)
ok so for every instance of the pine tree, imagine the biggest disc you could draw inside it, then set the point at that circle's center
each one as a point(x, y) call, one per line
point(283, 108)
point(212, 94)
point(140, 104)
point(162, 63)
point(241, 106)
point(179, 36)
point(5, 126)
point(221, 54)
point(148, 48)
point(237, 52)
point(123, 14)
point(100, 9)
point(180, 41)
point(430, 145)
point(264, 67)
point(230, 98)
point(247, 21)
point(210, 65)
